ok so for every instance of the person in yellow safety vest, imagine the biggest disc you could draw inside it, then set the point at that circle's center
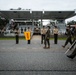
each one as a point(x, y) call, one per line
point(29, 29)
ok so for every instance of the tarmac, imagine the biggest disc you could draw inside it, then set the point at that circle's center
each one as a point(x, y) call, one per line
point(33, 59)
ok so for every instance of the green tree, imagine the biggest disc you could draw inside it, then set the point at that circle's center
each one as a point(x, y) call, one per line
point(3, 22)
point(71, 22)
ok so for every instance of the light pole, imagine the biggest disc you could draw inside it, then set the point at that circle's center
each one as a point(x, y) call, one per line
point(42, 17)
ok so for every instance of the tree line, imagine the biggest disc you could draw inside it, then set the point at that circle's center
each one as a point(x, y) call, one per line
point(71, 22)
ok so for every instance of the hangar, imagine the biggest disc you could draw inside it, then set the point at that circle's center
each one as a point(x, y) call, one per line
point(30, 15)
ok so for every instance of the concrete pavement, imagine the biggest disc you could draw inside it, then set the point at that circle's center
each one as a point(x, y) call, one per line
point(24, 59)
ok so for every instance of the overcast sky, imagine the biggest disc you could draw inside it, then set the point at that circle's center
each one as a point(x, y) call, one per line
point(38, 4)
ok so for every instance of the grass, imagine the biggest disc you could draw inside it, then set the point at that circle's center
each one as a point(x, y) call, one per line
point(63, 38)
point(22, 38)
point(10, 38)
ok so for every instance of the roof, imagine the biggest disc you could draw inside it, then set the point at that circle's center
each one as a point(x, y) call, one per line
point(23, 14)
